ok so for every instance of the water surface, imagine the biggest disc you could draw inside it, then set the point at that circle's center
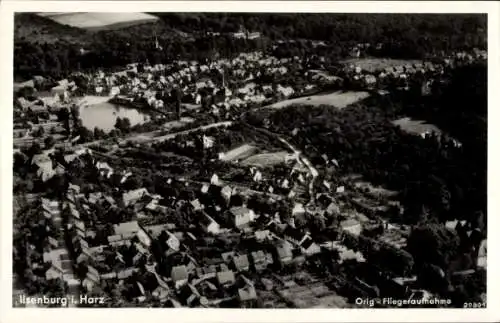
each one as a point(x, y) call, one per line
point(103, 115)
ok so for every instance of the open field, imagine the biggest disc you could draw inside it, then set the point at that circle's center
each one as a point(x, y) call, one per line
point(316, 295)
point(337, 99)
point(266, 159)
point(417, 127)
point(376, 64)
point(241, 152)
point(99, 20)
point(376, 191)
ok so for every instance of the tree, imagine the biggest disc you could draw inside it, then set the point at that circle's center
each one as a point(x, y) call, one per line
point(35, 149)
point(433, 278)
point(177, 97)
point(49, 142)
point(85, 134)
point(26, 92)
point(433, 244)
point(38, 133)
point(75, 112)
point(123, 124)
point(19, 160)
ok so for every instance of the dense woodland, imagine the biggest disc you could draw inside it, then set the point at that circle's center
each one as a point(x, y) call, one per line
point(47, 48)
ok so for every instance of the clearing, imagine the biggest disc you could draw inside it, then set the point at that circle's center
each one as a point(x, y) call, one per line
point(375, 191)
point(240, 152)
point(377, 64)
point(418, 127)
point(338, 99)
point(267, 159)
point(99, 20)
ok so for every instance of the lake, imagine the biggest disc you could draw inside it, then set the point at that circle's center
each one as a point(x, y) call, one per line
point(103, 115)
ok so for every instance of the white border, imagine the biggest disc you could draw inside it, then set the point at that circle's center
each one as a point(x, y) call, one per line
point(8, 314)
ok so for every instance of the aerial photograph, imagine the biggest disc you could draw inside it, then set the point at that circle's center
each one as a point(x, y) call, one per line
point(249, 160)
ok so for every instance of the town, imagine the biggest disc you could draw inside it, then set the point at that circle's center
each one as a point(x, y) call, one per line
point(213, 201)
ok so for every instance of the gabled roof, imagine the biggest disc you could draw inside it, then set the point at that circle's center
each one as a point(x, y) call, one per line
point(284, 249)
point(228, 255)
point(206, 219)
point(247, 293)
point(241, 262)
point(293, 233)
point(258, 256)
point(307, 242)
point(349, 223)
point(240, 211)
point(179, 273)
point(126, 228)
point(225, 277)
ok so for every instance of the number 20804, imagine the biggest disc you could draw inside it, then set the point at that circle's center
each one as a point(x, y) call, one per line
point(475, 305)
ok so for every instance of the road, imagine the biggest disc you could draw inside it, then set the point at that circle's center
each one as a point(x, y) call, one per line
point(160, 138)
point(185, 132)
point(300, 158)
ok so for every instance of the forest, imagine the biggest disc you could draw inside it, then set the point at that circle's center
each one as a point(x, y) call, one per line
point(42, 47)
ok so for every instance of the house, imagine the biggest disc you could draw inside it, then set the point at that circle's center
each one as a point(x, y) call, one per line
point(261, 260)
point(88, 284)
point(241, 216)
point(332, 209)
point(131, 197)
point(294, 235)
point(53, 242)
point(51, 207)
point(214, 180)
point(208, 224)
point(45, 166)
point(308, 246)
point(226, 193)
point(125, 273)
point(189, 295)
point(298, 208)
point(126, 228)
point(261, 235)
point(171, 240)
point(226, 278)
point(241, 262)
point(228, 256)
point(197, 206)
point(93, 274)
point(208, 142)
point(161, 293)
point(179, 276)
point(59, 89)
point(257, 175)
point(284, 252)
point(247, 293)
point(207, 272)
point(352, 226)
point(104, 169)
point(481, 257)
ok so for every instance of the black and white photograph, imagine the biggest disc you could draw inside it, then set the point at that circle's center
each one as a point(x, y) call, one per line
point(249, 160)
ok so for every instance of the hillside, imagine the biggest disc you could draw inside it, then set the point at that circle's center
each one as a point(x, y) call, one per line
point(99, 20)
point(45, 47)
point(32, 28)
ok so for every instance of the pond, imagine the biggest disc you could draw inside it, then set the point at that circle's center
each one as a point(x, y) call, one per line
point(103, 115)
